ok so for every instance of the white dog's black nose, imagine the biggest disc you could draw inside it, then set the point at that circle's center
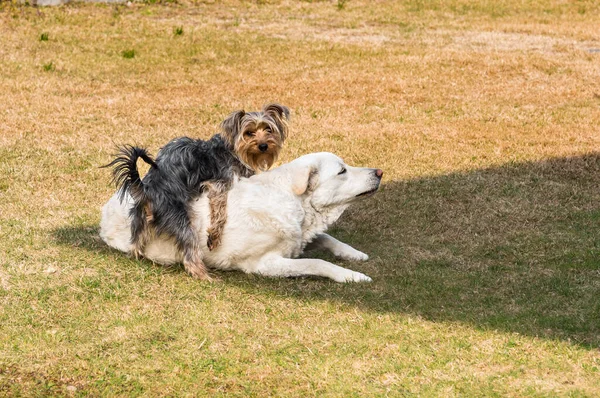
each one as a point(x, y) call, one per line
point(263, 147)
point(379, 173)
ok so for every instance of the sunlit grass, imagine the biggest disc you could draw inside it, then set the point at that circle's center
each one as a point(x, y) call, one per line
point(484, 240)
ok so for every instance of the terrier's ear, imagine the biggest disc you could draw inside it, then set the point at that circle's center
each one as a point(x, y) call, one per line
point(232, 126)
point(281, 116)
point(303, 180)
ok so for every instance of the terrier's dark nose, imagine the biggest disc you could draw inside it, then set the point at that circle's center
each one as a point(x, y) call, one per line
point(379, 173)
point(263, 147)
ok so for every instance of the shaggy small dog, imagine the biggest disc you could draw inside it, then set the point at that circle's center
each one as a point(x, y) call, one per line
point(273, 216)
point(250, 142)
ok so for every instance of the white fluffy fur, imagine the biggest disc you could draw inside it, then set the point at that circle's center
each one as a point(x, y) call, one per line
point(271, 218)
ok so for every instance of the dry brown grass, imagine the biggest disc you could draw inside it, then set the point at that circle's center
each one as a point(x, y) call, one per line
point(484, 241)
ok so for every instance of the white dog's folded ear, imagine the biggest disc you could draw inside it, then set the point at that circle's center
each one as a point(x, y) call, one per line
point(303, 179)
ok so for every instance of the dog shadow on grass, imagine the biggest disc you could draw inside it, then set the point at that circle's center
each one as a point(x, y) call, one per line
point(514, 248)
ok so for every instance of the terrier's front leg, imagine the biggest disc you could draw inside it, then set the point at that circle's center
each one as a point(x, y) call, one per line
point(217, 202)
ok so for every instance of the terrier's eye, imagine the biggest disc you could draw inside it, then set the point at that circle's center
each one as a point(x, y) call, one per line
point(249, 134)
point(342, 171)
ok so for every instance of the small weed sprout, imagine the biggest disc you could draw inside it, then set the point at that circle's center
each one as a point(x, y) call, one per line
point(44, 36)
point(341, 4)
point(178, 30)
point(128, 54)
point(49, 67)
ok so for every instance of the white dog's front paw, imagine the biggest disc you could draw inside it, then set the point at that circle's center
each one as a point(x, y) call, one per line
point(358, 277)
point(353, 255)
point(352, 276)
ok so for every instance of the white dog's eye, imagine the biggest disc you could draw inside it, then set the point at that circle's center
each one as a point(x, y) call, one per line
point(342, 171)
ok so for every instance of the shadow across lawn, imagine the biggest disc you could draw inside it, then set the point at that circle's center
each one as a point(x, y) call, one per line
point(513, 248)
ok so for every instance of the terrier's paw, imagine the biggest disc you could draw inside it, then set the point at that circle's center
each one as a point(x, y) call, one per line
point(210, 243)
point(197, 270)
point(201, 276)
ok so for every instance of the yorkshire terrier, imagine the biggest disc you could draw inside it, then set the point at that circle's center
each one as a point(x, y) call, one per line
point(185, 168)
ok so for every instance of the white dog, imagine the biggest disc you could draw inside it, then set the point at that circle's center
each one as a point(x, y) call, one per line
point(271, 218)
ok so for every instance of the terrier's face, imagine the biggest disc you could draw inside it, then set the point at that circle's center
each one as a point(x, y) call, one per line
point(259, 142)
point(257, 137)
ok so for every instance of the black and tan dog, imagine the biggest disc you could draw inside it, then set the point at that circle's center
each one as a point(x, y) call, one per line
point(250, 142)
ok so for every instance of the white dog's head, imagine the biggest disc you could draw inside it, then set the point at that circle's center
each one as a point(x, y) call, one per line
point(330, 182)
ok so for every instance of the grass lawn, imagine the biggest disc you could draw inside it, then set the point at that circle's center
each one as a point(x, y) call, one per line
point(484, 240)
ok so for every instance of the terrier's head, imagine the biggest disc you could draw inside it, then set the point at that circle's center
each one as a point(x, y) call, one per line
point(257, 137)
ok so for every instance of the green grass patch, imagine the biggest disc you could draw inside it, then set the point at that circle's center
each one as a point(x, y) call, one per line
point(128, 54)
point(49, 67)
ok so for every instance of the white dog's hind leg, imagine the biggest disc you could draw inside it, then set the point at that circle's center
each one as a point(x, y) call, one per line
point(286, 267)
point(337, 248)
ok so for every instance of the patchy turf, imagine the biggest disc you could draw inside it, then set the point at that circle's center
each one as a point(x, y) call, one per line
point(484, 240)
